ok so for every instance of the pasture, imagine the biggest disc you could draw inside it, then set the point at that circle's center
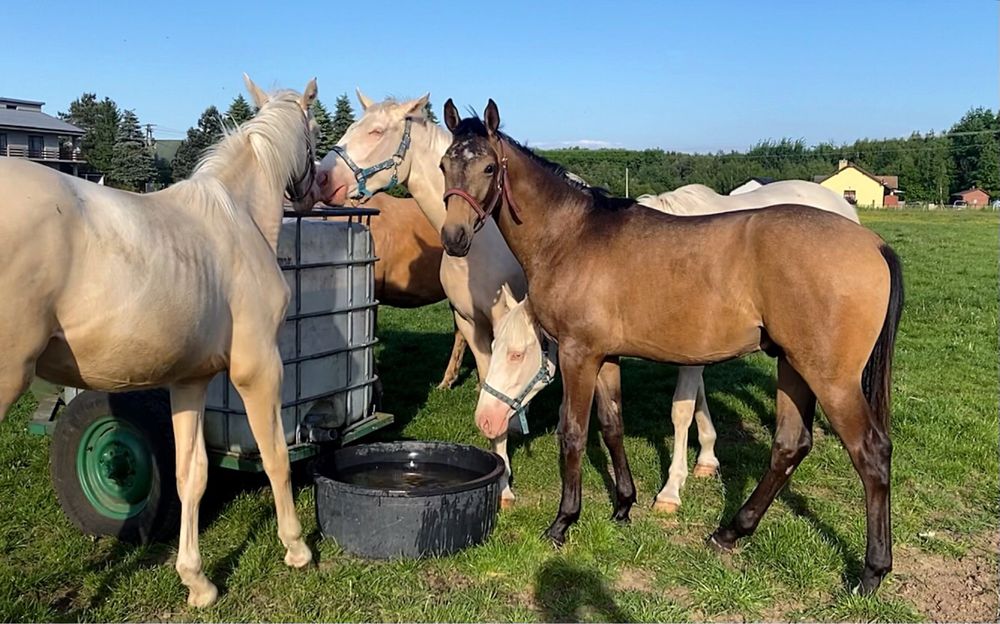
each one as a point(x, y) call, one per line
point(797, 566)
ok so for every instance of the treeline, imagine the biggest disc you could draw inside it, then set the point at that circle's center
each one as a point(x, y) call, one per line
point(930, 166)
point(114, 143)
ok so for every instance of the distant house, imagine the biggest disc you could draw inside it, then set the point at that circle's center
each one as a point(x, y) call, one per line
point(861, 188)
point(971, 197)
point(27, 132)
point(751, 185)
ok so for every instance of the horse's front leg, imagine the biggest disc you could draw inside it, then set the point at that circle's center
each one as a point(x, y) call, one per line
point(609, 414)
point(258, 380)
point(579, 376)
point(187, 401)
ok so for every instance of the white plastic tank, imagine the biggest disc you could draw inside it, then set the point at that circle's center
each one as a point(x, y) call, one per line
point(328, 339)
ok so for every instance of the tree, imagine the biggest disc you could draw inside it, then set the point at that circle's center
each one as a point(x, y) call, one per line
point(199, 139)
point(325, 141)
point(99, 120)
point(975, 147)
point(131, 162)
point(429, 113)
point(239, 111)
point(343, 117)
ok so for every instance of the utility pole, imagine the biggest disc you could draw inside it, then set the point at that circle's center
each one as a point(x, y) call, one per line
point(626, 181)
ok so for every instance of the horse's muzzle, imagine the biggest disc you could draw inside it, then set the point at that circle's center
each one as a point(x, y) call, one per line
point(457, 240)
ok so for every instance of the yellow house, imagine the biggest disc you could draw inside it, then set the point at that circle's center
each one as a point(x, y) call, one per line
point(861, 188)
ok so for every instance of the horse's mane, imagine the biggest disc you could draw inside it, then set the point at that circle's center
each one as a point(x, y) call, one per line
point(599, 197)
point(274, 135)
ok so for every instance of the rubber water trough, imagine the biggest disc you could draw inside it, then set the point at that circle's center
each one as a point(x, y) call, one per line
point(407, 499)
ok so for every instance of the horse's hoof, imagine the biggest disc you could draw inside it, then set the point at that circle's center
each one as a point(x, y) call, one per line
point(666, 507)
point(203, 597)
point(621, 517)
point(705, 470)
point(446, 384)
point(557, 538)
point(719, 544)
point(298, 556)
point(507, 503)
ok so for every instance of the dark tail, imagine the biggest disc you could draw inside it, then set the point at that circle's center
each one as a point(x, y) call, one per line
point(876, 381)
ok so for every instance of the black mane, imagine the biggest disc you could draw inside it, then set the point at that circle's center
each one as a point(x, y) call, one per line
point(600, 197)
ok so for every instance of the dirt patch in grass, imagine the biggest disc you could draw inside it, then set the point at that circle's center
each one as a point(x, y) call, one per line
point(949, 589)
point(634, 579)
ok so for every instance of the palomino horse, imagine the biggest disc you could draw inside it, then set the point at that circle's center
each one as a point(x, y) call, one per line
point(607, 280)
point(408, 271)
point(525, 358)
point(394, 143)
point(113, 291)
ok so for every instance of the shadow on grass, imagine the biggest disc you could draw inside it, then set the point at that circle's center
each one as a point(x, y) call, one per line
point(566, 592)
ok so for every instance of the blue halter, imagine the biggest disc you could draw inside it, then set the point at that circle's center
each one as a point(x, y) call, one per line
point(517, 403)
point(362, 175)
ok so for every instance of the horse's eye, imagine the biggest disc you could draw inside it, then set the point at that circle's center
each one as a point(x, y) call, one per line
point(489, 169)
point(515, 356)
point(377, 131)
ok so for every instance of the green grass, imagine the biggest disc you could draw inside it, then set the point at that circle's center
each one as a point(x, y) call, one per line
point(799, 565)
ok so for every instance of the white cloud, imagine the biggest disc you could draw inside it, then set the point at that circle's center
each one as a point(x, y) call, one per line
point(584, 143)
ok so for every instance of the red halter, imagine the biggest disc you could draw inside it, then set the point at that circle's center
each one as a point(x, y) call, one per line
point(501, 189)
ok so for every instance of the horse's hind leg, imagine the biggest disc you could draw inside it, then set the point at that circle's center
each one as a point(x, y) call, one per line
point(454, 362)
point(188, 405)
point(707, 464)
point(609, 414)
point(867, 442)
point(796, 407)
point(258, 381)
point(681, 414)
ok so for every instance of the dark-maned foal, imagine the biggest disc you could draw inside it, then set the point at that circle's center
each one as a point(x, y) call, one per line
point(609, 279)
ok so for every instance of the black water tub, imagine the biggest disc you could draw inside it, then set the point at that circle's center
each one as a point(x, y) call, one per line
point(407, 499)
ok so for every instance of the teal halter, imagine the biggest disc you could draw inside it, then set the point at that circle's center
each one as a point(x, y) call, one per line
point(362, 175)
point(517, 403)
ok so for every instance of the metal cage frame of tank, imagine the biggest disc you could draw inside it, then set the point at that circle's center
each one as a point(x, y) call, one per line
point(225, 452)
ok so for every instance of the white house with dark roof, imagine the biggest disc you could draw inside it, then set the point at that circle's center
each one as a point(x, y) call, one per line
point(27, 132)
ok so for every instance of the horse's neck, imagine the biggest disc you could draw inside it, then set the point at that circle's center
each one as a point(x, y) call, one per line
point(425, 180)
point(548, 218)
point(250, 190)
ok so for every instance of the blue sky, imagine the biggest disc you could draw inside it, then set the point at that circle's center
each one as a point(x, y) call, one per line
point(684, 75)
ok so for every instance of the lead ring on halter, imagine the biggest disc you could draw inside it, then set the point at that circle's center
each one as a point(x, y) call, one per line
point(517, 403)
point(362, 175)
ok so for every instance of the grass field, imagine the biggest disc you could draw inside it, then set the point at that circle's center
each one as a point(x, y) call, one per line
point(799, 565)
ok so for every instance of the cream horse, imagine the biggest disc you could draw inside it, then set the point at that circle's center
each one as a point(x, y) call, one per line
point(397, 137)
point(111, 291)
point(525, 359)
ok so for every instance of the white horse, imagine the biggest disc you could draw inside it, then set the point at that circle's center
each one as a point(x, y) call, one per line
point(393, 142)
point(697, 199)
point(525, 359)
point(111, 290)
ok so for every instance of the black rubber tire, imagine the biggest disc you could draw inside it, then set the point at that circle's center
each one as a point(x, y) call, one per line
point(146, 411)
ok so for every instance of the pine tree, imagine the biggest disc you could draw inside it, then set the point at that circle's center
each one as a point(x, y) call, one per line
point(429, 113)
point(131, 161)
point(239, 111)
point(99, 120)
point(208, 131)
point(325, 140)
point(343, 117)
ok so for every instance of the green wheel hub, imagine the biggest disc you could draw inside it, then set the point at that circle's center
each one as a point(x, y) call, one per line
point(114, 464)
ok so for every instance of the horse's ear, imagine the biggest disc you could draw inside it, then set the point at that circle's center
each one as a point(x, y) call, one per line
point(259, 97)
point(451, 118)
point(417, 105)
point(507, 296)
point(363, 99)
point(308, 95)
point(492, 118)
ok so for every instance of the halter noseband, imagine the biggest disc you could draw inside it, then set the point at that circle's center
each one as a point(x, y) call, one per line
point(517, 403)
point(363, 175)
point(501, 189)
point(292, 190)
